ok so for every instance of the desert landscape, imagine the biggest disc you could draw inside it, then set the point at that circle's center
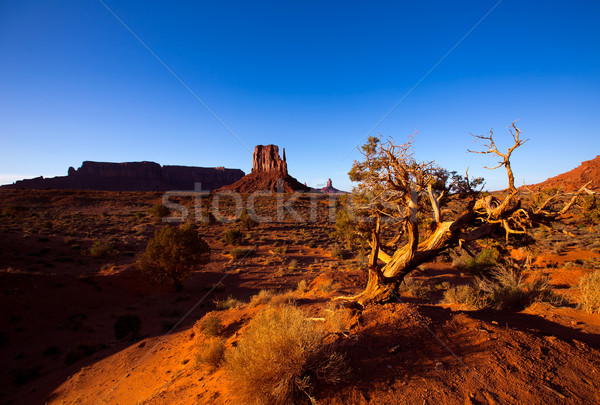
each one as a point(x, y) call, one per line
point(311, 203)
point(83, 323)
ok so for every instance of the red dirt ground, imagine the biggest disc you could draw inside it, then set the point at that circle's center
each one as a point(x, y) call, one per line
point(59, 305)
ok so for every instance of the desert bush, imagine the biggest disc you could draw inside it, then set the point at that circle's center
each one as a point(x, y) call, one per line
point(233, 237)
point(263, 297)
point(248, 219)
point(240, 253)
point(173, 253)
point(504, 288)
point(280, 249)
point(590, 206)
point(211, 325)
point(464, 295)
point(302, 287)
point(279, 357)
point(211, 353)
point(337, 252)
point(229, 303)
point(101, 248)
point(159, 211)
point(127, 324)
point(293, 265)
point(480, 264)
point(414, 287)
point(589, 287)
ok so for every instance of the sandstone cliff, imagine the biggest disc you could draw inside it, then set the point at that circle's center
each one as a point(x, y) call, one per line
point(135, 176)
point(574, 179)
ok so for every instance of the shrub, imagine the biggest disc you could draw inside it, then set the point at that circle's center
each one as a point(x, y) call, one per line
point(229, 303)
point(211, 325)
point(233, 237)
point(486, 259)
point(101, 248)
point(464, 295)
point(248, 219)
point(127, 324)
point(173, 253)
point(159, 211)
point(211, 353)
point(302, 287)
point(279, 357)
point(414, 287)
point(240, 253)
point(337, 252)
point(263, 297)
point(504, 289)
point(589, 286)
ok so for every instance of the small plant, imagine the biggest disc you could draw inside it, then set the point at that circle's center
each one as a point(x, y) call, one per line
point(486, 259)
point(248, 219)
point(302, 287)
point(211, 325)
point(240, 253)
point(281, 250)
point(263, 297)
point(293, 265)
point(173, 253)
point(280, 357)
point(337, 252)
point(211, 353)
point(464, 295)
point(229, 303)
point(589, 298)
point(126, 325)
point(159, 211)
point(233, 237)
point(414, 287)
point(101, 248)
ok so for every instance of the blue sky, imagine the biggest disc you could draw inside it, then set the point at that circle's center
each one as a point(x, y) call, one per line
point(313, 77)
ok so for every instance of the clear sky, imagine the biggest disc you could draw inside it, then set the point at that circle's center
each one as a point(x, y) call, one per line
point(311, 76)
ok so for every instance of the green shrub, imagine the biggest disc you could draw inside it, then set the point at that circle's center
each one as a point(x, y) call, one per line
point(263, 297)
point(127, 324)
point(485, 260)
point(280, 357)
point(233, 237)
point(589, 298)
point(173, 253)
point(337, 252)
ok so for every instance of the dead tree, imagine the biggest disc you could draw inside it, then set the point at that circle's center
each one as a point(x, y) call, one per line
point(398, 189)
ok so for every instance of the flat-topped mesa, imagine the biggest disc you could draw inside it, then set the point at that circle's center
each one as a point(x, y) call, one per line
point(266, 159)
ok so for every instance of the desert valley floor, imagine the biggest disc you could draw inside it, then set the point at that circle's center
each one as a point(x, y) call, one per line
point(67, 275)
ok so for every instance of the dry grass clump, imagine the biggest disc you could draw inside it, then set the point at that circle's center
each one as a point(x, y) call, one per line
point(263, 297)
point(414, 287)
point(589, 286)
point(229, 303)
point(505, 288)
point(211, 353)
point(280, 358)
point(211, 325)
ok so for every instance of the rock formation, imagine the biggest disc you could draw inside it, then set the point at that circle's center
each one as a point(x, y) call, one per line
point(266, 159)
point(269, 173)
point(135, 176)
point(574, 179)
point(329, 189)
